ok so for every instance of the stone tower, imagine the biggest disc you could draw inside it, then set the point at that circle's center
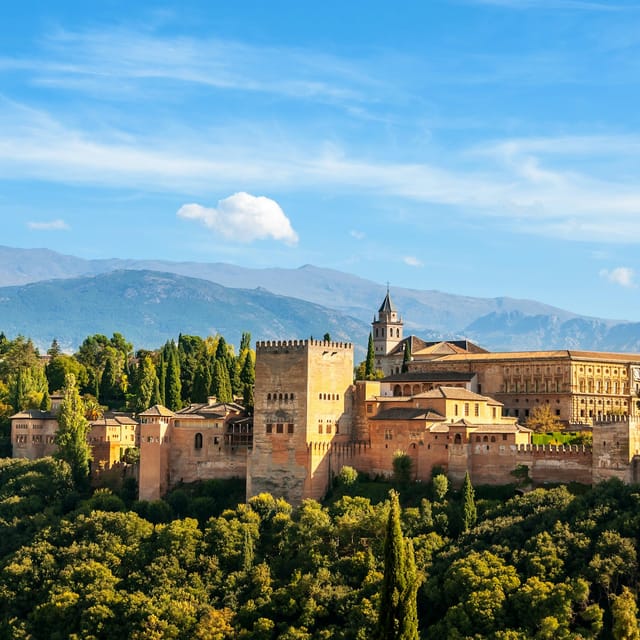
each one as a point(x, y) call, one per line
point(302, 409)
point(387, 331)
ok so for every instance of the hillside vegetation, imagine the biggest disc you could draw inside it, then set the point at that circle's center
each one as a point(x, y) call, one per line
point(549, 564)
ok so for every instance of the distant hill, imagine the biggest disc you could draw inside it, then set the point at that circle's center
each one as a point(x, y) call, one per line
point(150, 307)
point(495, 323)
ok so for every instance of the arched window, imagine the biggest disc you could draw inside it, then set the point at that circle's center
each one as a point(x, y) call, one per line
point(198, 441)
point(457, 439)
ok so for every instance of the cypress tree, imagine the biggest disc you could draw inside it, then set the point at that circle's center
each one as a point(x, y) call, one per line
point(221, 383)
point(110, 389)
point(370, 363)
point(156, 396)
point(469, 512)
point(45, 404)
point(398, 615)
point(201, 382)
point(406, 358)
point(162, 376)
point(146, 380)
point(173, 397)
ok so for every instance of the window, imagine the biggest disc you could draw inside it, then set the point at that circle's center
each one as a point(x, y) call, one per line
point(290, 428)
point(269, 428)
point(320, 427)
point(279, 427)
point(476, 410)
point(466, 408)
point(388, 434)
point(197, 443)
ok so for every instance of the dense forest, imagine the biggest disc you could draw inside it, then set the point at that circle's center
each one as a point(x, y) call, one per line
point(110, 375)
point(484, 562)
point(553, 563)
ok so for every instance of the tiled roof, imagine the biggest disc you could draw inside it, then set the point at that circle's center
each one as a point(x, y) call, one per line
point(158, 410)
point(430, 376)
point(408, 413)
point(33, 414)
point(560, 354)
point(456, 393)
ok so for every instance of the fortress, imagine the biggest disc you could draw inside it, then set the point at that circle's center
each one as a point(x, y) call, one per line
point(451, 405)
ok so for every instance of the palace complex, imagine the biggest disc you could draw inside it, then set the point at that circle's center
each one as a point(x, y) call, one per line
point(447, 405)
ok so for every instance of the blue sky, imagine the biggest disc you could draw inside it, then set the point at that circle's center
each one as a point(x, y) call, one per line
point(478, 147)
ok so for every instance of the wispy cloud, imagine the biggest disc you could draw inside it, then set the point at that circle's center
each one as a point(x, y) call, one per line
point(52, 225)
point(575, 5)
point(623, 276)
point(243, 218)
point(115, 61)
point(535, 186)
point(358, 235)
point(412, 261)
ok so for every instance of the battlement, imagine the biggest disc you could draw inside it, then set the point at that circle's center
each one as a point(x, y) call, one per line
point(273, 346)
point(612, 418)
point(553, 449)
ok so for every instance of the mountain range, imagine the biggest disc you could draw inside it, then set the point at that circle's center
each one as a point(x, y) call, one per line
point(46, 295)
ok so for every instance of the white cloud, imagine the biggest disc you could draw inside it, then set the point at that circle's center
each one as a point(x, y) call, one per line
point(623, 276)
point(244, 218)
point(358, 235)
point(52, 225)
point(412, 261)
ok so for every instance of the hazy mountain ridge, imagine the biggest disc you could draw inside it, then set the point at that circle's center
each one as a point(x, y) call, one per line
point(150, 307)
point(345, 303)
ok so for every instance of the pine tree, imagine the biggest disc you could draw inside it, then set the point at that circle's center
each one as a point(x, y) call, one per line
point(370, 366)
point(71, 436)
point(469, 512)
point(398, 615)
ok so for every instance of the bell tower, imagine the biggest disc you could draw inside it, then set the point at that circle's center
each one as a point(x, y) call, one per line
point(387, 330)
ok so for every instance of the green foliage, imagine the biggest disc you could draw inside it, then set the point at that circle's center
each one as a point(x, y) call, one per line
point(398, 617)
point(469, 512)
point(624, 611)
point(440, 486)
point(402, 468)
point(370, 362)
point(71, 437)
point(348, 476)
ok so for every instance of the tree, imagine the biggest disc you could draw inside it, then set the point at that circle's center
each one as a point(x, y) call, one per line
point(326, 337)
point(173, 393)
point(398, 616)
point(469, 512)
point(402, 468)
point(541, 420)
point(111, 392)
point(624, 612)
point(221, 382)
point(71, 437)
point(370, 362)
point(440, 486)
point(248, 379)
point(146, 381)
point(406, 357)
point(45, 405)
